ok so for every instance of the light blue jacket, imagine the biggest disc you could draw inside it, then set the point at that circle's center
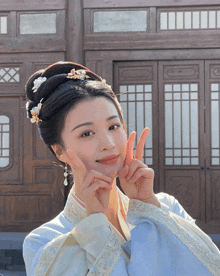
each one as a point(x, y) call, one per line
point(163, 242)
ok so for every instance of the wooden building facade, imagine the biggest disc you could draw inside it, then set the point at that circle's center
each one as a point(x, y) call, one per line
point(163, 57)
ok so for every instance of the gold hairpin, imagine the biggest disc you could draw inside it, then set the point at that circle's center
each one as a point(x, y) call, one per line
point(77, 75)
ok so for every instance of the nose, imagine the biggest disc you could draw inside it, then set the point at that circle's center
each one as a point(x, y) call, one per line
point(106, 142)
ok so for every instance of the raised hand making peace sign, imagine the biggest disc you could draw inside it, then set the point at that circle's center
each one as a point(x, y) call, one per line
point(136, 179)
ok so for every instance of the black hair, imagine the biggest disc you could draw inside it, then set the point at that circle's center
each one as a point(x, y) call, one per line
point(59, 93)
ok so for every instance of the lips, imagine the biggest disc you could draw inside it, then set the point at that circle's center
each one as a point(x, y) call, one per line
point(109, 160)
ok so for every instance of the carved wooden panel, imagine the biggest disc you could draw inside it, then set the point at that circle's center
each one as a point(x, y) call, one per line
point(215, 71)
point(136, 74)
point(1, 210)
point(215, 195)
point(179, 72)
point(185, 186)
point(36, 5)
point(44, 175)
point(40, 150)
point(23, 209)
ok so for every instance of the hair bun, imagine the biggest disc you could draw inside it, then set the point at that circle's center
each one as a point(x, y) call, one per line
point(49, 86)
point(30, 84)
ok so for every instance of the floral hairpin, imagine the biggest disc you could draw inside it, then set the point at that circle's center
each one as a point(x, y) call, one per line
point(104, 81)
point(77, 75)
point(37, 83)
point(35, 113)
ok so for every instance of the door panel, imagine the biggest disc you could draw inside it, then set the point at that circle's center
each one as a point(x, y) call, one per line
point(212, 126)
point(136, 86)
point(185, 186)
point(30, 183)
point(181, 93)
point(184, 115)
point(10, 137)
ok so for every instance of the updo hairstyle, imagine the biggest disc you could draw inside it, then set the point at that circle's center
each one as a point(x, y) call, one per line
point(58, 94)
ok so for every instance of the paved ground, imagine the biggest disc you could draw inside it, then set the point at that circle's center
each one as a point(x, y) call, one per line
point(10, 273)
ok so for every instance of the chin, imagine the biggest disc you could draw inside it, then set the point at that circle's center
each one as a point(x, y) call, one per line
point(108, 169)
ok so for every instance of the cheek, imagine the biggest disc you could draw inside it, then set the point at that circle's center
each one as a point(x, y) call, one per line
point(87, 156)
point(124, 144)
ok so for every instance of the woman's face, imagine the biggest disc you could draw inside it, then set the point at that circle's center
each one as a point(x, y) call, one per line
point(93, 131)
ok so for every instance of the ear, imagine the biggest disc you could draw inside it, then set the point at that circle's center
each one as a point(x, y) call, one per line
point(60, 153)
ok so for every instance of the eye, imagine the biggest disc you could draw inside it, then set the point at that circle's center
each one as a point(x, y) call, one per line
point(86, 134)
point(114, 127)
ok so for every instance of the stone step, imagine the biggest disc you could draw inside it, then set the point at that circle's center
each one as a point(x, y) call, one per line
point(12, 273)
point(12, 260)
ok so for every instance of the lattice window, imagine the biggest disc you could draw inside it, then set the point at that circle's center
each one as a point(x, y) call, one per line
point(136, 102)
point(9, 74)
point(181, 124)
point(188, 20)
point(4, 141)
point(3, 24)
point(215, 120)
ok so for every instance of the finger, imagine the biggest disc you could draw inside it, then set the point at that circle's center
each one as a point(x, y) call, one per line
point(76, 161)
point(95, 186)
point(123, 172)
point(112, 175)
point(148, 173)
point(134, 166)
point(130, 146)
point(140, 145)
point(95, 176)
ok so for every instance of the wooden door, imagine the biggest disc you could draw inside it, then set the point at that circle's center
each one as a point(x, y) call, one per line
point(136, 86)
point(182, 160)
point(183, 114)
point(30, 183)
point(212, 147)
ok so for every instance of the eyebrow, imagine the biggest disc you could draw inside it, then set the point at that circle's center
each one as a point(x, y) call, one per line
point(91, 123)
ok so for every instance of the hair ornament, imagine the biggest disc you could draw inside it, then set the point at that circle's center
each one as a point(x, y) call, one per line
point(104, 81)
point(77, 75)
point(35, 113)
point(37, 83)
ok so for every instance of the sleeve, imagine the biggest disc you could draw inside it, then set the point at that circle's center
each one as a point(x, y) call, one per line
point(170, 203)
point(89, 248)
point(163, 243)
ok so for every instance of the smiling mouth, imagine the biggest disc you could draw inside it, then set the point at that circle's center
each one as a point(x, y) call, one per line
point(111, 161)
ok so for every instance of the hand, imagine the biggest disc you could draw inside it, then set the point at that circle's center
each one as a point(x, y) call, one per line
point(136, 179)
point(93, 187)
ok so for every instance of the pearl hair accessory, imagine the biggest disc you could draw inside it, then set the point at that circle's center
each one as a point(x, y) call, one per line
point(65, 176)
point(37, 83)
point(35, 112)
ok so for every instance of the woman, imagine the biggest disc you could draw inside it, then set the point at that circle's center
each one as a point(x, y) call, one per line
point(101, 231)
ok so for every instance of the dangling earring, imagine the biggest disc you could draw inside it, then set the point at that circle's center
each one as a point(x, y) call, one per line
point(65, 176)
